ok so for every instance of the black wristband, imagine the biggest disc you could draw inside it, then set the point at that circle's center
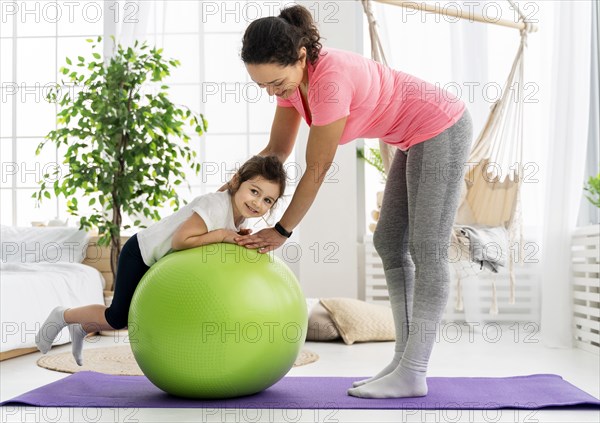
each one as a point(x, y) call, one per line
point(282, 230)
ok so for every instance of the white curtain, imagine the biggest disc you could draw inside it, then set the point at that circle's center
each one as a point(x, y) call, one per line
point(469, 65)
point(568, 135)
point(132, 23)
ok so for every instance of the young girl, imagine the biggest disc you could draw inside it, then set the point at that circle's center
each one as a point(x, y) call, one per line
point(210, 218)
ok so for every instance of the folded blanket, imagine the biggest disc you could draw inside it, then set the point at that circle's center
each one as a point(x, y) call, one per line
point(488, 245)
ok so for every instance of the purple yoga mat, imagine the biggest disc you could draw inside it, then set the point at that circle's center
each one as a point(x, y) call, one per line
point(91, 389)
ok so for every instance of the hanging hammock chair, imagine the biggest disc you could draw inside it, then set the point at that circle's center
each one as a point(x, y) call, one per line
point(490, 196)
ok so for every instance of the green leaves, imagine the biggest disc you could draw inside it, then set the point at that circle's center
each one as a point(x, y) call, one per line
point(593, 187)
point(125, 140)
point(374, 159)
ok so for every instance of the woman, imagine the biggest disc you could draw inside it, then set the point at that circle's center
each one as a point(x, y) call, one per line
point(344, 96)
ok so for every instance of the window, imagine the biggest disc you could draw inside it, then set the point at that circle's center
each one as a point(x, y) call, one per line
point(204, 36)
point(35, 38)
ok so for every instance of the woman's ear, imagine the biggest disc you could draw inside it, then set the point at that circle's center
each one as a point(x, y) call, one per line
point(302, 56)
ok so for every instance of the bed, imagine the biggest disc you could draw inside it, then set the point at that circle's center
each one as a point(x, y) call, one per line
point(40, 269)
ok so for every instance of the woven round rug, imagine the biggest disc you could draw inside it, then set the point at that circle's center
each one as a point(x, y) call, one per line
point(119, 361)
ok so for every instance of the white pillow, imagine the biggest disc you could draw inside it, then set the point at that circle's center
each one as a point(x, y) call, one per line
point(43, 244)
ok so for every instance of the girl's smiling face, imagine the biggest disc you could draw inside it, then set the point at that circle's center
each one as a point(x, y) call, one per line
point(254, 198)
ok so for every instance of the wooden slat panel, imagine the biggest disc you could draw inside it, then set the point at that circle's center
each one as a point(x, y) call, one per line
point(586, 231)
point(587, 323)
point(588, 311)
point(586, 296)
point(590, 243)
point(591, 253)
point(587, 336)
point(587, 282)
point(586, 268)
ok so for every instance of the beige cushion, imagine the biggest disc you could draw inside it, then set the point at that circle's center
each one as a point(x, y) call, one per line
point(320, 325)
point(358, 321)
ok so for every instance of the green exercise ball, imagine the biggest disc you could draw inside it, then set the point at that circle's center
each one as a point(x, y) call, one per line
point(217, 321)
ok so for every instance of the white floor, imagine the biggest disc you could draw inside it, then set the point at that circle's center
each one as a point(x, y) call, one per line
point(459, 352)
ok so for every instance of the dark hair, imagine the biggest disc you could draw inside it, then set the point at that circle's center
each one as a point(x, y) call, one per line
point(267, 167)
point(279, 39)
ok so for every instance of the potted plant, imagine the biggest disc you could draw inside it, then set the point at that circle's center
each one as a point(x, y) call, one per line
point(124, 147)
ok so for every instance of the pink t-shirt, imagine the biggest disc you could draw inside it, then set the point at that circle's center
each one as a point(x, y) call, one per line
point(380, 102)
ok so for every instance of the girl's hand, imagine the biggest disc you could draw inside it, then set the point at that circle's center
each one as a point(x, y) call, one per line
point(265, 240)
point(245, 231)
point(229, 236)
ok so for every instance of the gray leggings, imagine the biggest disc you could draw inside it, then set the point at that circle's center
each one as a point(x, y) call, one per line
point(419, 206)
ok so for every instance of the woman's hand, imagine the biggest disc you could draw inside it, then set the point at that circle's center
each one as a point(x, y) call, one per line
point(231, 183)
point(265, 240)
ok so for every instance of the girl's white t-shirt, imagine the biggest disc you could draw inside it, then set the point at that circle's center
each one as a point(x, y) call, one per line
point(214, 208)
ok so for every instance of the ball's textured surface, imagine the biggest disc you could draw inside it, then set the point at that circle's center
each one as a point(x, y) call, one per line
point(217, 321)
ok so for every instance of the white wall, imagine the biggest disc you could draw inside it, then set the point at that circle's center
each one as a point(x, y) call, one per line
point(327, 235)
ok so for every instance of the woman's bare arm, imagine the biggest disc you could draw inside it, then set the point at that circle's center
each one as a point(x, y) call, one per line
point(320, 152)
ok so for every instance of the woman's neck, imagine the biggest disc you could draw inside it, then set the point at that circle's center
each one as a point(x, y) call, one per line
point(304, 83)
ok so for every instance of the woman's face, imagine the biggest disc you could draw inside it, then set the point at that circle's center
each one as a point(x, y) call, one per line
point(278, 80)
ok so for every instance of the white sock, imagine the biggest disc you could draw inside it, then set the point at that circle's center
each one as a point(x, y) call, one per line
point(400, 383)
point(77, 335)
point(384, 372)
point(409, 378)
point(50, 329)
point(400, 282)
